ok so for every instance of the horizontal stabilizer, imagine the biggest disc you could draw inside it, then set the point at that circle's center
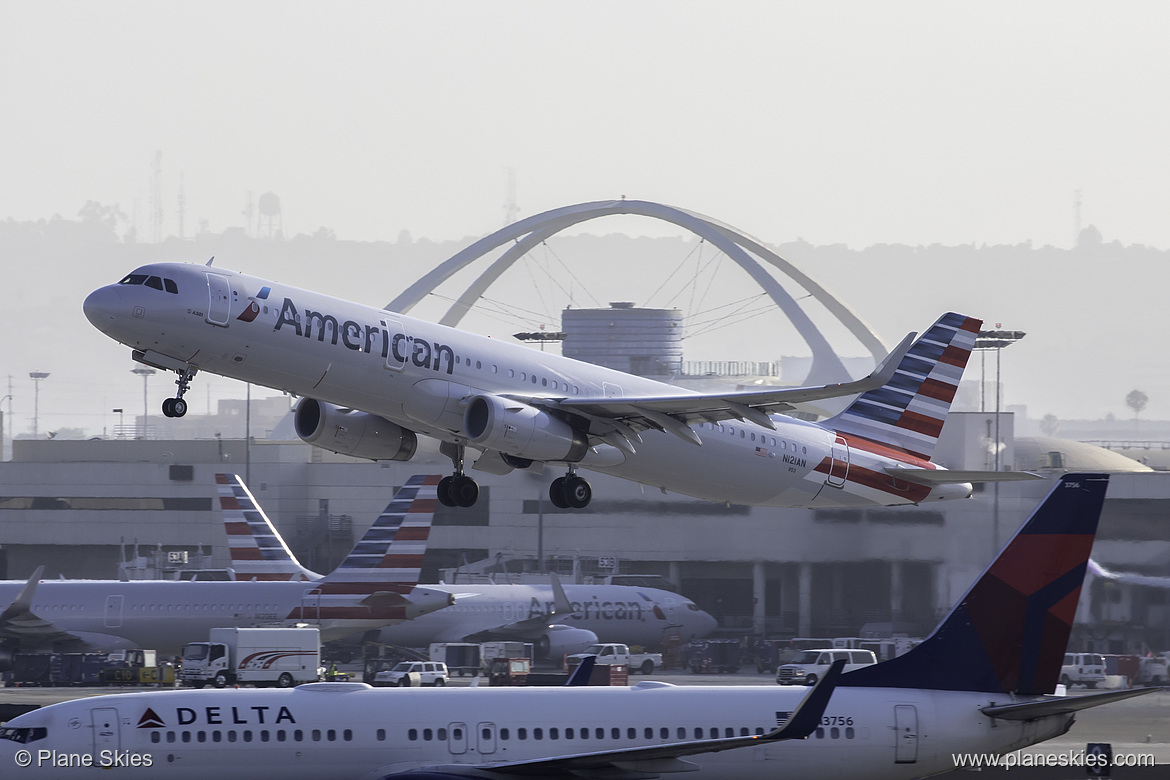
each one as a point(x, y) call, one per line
point(932, 477)
point(1060, 705)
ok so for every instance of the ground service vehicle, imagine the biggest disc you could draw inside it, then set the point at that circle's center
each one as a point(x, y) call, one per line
point(808, 666)
point(611, 654)
point(409, 674)
point(283, 657)
point(1086, 669)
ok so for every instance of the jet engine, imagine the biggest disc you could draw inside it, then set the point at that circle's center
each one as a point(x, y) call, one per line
point(559, 641)
point(352, 432)
point(520, 430)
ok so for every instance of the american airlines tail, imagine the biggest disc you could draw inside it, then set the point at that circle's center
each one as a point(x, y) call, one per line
point(257, 550)
point(389, 556)
point(908, 411)
point(1009, 632)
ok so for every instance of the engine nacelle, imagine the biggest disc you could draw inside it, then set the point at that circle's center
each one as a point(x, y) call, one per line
point(522, 431)
point(559, 641)
point(352, 432)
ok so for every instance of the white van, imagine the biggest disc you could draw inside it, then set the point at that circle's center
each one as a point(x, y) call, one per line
point(808, 666)
point(1086, 669)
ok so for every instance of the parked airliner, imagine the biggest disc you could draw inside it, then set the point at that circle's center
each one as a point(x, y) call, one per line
point(370, 380)
point(365, 593)
point(978, 684)
point(557, 619)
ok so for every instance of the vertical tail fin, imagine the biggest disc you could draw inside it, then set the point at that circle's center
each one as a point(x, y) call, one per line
point(909, 410)
point(1010, 631)
point(389, 556)
point(257, 550)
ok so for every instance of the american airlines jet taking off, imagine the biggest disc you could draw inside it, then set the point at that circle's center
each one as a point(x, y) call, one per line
point(372, 588)
point(370, 380)
point(977, 685)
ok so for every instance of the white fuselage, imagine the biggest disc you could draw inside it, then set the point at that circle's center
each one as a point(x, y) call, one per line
point(419, 374)
point(614, 613)
point(165, 615)
point(342, 731)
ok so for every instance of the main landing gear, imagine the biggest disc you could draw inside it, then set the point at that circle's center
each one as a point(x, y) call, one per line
point(177, 407)
point(570, 491)
point(457, 489)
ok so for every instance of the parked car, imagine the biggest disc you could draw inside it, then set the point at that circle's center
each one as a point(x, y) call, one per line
point(1086, 669)
point(808, 666)
point(413, 673)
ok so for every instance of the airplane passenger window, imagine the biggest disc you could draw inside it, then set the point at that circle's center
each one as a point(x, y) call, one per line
point(216, 736)
point(155, 736)
point(412, 735)
point(317, 735)
point(615, 733)
point(231, 735)
point(263, 735)
point(848, 732)
point(201, 736)
point(743, 732)
point(381, 735)
point(820, 733)
point(682, 733)
point(538, 733)
point(504, 733)
point(186, 736)
point(729, 732)
point(521, 733)
point(247, 735)
point(584, 733)
point(664, 733)
point(298, 735)
point(835, 733)
point(553, 733)
point(331, 735)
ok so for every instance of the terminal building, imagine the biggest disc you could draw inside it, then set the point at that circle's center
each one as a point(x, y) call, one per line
point(86, 509)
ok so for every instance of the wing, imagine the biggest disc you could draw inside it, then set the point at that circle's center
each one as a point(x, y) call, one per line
point(19, 622)
point(614, 419)
point(518, 628)
point(646, 761)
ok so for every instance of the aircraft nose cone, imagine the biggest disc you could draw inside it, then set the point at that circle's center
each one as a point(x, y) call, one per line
point(101, 306)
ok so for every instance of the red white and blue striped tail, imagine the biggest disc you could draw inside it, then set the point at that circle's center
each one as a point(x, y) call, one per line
point(389, 557)
point(908, 411)
point(257, 550)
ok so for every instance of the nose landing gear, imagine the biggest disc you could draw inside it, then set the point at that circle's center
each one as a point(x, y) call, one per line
point(177, 407)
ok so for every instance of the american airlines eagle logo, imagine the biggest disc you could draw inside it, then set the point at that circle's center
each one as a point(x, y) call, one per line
point(151, 720)
point(249, 314)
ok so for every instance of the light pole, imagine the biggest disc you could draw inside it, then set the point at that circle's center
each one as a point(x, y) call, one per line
point(7, 398)
point(36, 377)
point(146, 373)
point(121, 421)
point(997, 340)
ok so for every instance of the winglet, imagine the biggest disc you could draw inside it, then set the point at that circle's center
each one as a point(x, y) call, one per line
point(561, 603)
point(23, 602)
point(807, 716)
point(582, 673)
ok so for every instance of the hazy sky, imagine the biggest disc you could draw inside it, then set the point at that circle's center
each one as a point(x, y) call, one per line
point(908, 122)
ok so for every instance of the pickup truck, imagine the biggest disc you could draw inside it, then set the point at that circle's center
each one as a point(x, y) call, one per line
point(610, 654)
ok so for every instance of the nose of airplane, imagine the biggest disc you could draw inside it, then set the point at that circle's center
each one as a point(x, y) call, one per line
point(102, 305)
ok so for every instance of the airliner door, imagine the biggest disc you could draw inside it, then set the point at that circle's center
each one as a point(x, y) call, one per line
point(114, 611)
point(398, 348)
point(838, 463)
point(105, 729)
point(906, 728)
point(219, 307)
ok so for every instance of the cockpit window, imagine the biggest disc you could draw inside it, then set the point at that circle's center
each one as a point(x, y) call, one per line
point(156, 282)
point(24, 736)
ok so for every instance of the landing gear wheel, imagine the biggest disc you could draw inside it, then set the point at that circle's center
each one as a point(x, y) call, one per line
point(178, 407)
point(556, 493)
point(443, 490)
point(464, 491)
point(168, 407)
point(577, 492)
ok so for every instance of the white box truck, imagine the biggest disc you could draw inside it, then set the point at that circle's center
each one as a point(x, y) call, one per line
point(282, 657)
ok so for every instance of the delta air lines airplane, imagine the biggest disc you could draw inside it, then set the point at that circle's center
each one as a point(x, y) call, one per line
point(370, 381)
point(977, 685)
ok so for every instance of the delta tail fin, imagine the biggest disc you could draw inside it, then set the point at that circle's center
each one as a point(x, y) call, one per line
point(909, 410)
point(1009, 633)
point(257, 550)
